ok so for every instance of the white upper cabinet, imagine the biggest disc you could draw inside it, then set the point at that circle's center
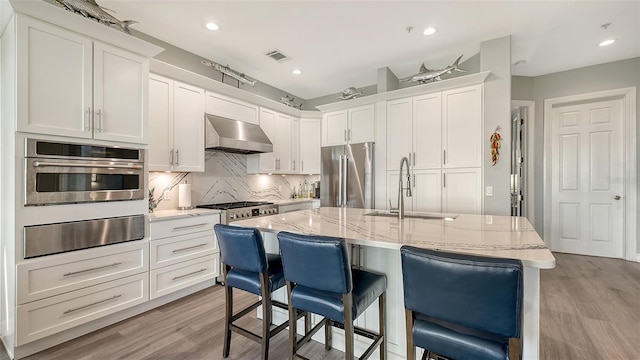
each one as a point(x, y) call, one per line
point(231, 108)
point(355, 125)
point(177, 126)
point(462, 127)
point(281, 129)
point(399, 129)
point(310, 130)
point(70, 85)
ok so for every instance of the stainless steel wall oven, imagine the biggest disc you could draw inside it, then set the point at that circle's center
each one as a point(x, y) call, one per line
point(63, 173)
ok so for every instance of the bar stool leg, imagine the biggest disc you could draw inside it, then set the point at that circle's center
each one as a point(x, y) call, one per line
point(228, 309)
point(266, 315)
point(382, 320)
point(411, 349)
point(328, 324)
point(347, 300)
point(293, 339)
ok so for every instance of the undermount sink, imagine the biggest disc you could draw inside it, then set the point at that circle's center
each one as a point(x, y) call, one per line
point(414, 215)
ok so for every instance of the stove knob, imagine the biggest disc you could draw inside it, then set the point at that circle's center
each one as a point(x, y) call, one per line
point(242, 215)
point(232, 216)
point(247, 214)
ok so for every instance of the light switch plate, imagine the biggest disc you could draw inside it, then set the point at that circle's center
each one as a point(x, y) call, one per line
point(488, 191)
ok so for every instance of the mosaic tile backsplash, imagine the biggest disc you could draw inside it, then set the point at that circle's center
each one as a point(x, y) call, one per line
point(225, 179)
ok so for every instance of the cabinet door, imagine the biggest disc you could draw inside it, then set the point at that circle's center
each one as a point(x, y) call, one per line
point(54, 90)
point(393, 186)
point(462, 191)
point(427, 133)
point(334, 128)
point(427, 190)
point(310, 146)
point(462, 127)
point(188, 127)
point(121, 81)
point(268, 125)
point(361, 124)
point(160, 120)
point(399, 115)
point(294, 145)
point(282, 147)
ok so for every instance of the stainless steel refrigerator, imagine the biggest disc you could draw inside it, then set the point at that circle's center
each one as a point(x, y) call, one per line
point(347, 176)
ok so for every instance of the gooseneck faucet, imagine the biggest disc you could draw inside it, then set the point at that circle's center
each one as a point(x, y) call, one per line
point(403, 161)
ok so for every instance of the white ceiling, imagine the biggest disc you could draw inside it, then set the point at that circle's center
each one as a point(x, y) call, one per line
point(339, 44)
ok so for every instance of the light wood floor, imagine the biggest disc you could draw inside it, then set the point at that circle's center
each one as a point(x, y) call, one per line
point(590, 309)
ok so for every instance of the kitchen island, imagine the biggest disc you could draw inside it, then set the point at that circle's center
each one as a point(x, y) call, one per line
point(379, 238)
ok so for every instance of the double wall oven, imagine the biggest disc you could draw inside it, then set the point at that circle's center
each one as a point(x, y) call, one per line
point(64, 177)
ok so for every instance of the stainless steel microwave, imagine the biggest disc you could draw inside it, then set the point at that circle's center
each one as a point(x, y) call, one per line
point(64, 173)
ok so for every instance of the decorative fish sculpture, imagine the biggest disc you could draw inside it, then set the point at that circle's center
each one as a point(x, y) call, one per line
point(91, 9)
point(225, 70)
point(426, 74)
point(349, 93)
point(289, 101)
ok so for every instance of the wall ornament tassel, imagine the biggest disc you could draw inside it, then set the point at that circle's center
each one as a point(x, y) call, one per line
point(495, 139)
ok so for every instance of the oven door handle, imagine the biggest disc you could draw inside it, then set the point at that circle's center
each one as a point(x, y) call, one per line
point(46, 163)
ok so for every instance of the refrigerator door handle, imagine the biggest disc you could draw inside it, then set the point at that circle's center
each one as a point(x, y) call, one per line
point(340, 184)
point(345, 182)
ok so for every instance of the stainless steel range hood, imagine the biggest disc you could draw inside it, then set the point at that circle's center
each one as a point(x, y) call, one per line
point(235, 136)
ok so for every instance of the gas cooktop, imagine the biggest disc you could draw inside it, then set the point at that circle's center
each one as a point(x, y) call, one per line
point(234, 205)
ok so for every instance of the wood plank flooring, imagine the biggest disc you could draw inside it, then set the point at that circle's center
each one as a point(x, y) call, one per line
point(590, 309)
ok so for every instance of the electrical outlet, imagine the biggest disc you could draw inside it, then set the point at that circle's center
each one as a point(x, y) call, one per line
point(488, 191)
point(166, 194)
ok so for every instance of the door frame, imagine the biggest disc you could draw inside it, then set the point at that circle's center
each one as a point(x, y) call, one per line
point(529, 156)
point(628, 96)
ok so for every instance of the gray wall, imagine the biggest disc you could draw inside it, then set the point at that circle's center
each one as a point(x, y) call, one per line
point(614, 75)
point(495, 55)
point(191, 62)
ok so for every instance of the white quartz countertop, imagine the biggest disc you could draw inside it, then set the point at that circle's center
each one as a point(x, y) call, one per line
point(488, 235)
point(159, 215)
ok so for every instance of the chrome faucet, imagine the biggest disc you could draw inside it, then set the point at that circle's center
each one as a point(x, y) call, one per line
point(403, 161)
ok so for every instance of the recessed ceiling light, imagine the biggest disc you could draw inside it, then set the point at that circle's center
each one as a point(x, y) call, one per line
point(212, 26)
point(430, 30)
point(296, 71)
point(607, 42)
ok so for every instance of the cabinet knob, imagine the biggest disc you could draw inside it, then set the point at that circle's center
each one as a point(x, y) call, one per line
point(617, 197)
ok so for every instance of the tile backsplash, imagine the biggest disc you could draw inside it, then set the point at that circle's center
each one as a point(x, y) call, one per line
point(225, 179)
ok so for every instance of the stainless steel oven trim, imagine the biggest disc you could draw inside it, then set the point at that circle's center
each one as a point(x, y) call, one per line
point(56, 238)
point(31, 151)
point(80, 166)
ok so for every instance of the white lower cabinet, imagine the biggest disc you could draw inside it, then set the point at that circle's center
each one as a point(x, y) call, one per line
point(179, 276)
point(183, 252)
point(45, 317)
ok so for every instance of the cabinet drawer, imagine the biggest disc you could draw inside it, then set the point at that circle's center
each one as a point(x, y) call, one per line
point(170, 251)
point(172, 227)
point(45, 317)
point(175, 277)
point(44, 277)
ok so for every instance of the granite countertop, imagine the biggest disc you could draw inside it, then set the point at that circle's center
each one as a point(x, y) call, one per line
point(489, 235)
point(159, 215)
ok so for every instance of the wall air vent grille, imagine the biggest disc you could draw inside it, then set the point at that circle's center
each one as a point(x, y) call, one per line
point(277, 55)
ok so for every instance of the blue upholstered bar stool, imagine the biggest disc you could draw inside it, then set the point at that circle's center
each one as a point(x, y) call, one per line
point(462, 306)
point(320, 281)
point(249, 268)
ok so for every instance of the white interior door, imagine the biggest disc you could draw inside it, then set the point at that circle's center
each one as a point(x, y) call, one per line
point(587, 170)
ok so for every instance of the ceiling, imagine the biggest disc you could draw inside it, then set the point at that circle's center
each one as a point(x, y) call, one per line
point(338, 44)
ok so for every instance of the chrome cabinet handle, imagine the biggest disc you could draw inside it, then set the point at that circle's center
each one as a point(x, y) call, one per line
point(348, 134)
point(414, 158)
point(617, 197)
point(294, 164)
point(99, 114)
point(444, 156)
point(178, 157)
point(171, 157)
point(188, 226)
point(189, 274)
point(92, 269)
point(107, 166)
point(444, 180)
point(345, 135)
point(189, 248)
point(88, 119)
point(89, 305)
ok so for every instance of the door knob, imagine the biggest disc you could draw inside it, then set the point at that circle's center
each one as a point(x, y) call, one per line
point(617, 197)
